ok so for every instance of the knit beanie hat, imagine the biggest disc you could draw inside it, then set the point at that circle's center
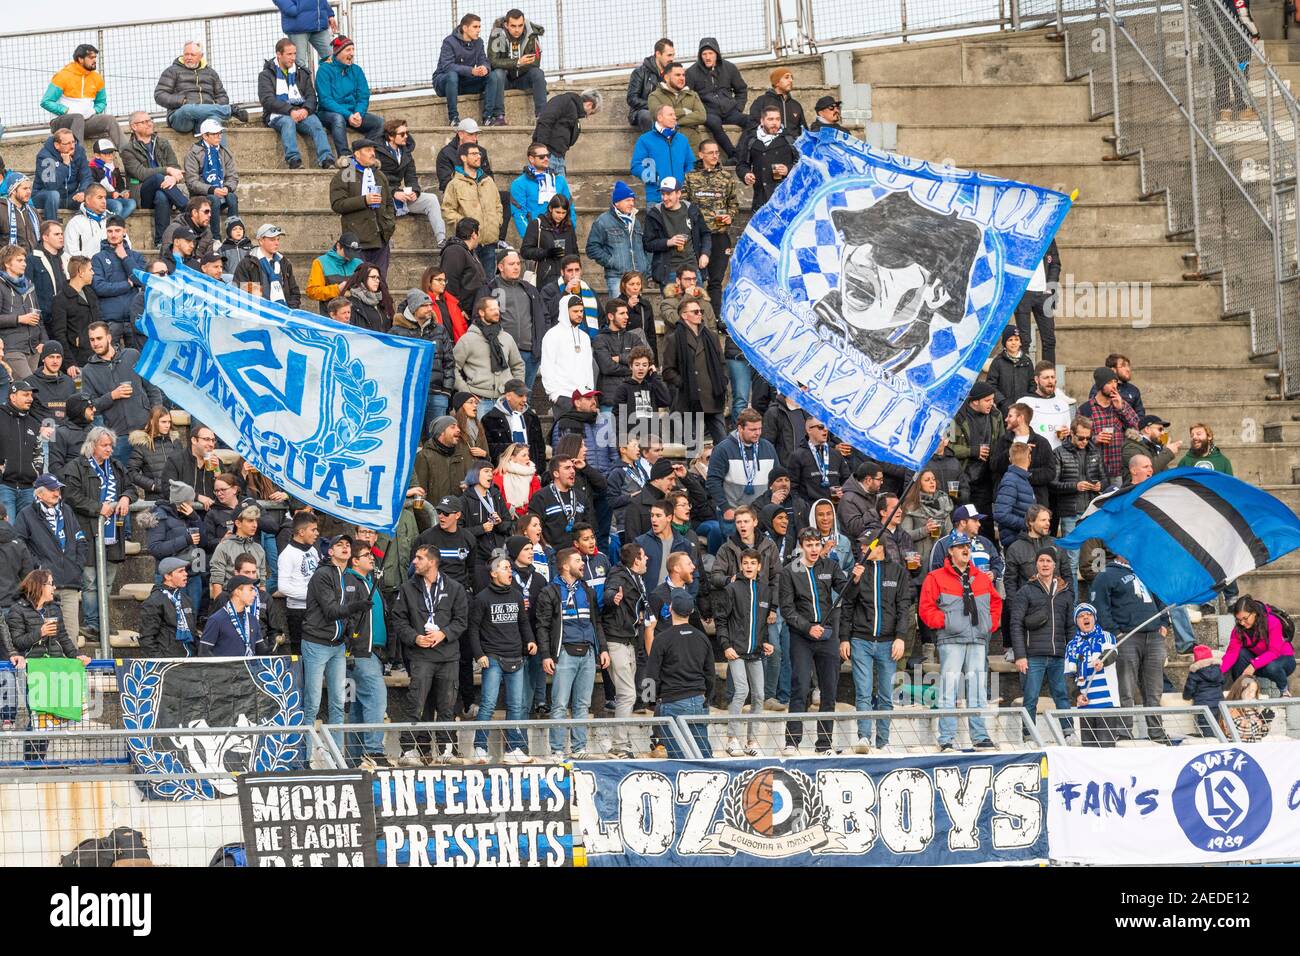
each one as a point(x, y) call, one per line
point(622, 191)
point(515, 544)
point(779, 72)
point(1202, 653)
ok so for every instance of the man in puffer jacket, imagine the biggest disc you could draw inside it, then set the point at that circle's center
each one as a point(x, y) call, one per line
point(191, 92)
point(515, 55)
point(308, 22)
point(1042, 624)
point(416, 321)
point(486, 357)
point(959, 602)
point(723, 91)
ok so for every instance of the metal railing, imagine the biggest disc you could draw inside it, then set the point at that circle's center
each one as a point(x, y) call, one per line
point(1273, 719)
point(1108, 726)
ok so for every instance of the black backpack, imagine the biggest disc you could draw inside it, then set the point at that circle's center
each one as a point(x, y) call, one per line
point(1288, 625)
point(122, 844)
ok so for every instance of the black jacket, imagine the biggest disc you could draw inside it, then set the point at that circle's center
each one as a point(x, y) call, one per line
point(806, 475)
point(100, 376)
point(1042, 463)
point(547, 244)
point(739, 608)
point(147, 467)
point(650, 395)
point(272, 106)
point(948, 469)
point(82, 491)
point(450, 614)
point(797, 605)
point(250, 270)
point(645, 79)
point(473, 516)
point(1021, 562)
point(498, 623)
point(1121, 605)
point(25, 631)
point(1042, 622)
point(1074, 465)
point(624, 621)
point(464, 271)
point(753, 157)
point(333, 596)
point(1204, 687)
point(496, 429)
point(1012, 378)
point(158, 626)
point(558, 124)
point(65, 561)
point(20, 446)
point(449, 159)
point(681, 664)
point(878, 606)
point(169, 531)
point(51, 402)
point(550, 608)
point(722, 89)
point(47, 286)
point(15, 564)
point(636, 519)
point(181, 466)
point(792, 114)
point(401, 173)
point(69, 320)
point(656, 234)
point(781, 431)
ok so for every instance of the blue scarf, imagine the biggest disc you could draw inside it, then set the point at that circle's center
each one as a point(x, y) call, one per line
point(93, 217)
point(183, 633)
point(213, 171)
point(54, 518)
point(33, 223)
point(272, 275)
point(107, 492)
point(21, 285)
point(540, 177)
point(244, 627)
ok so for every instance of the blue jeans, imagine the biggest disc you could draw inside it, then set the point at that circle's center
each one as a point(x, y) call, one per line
point(574, 679)
point(1184, 639)
point(372, 127)
point(1053, 668)
point(367, 705)
point(162, 202)
point(487, 255)
point(536, 695)
point(435, 407)
point(532, 362)
point(310, 127)
point(1068, 525)
point(687, 707)
point(49, 201)
point(741, 376)
point(776, 667)
point(327, 666)
point(516, 702)
point(272, 548)
point(122, 449)
point(531, 79)
point(319, 41)
point(492, 86)
point(713, 531)
point(190, 117)
point(557, 166)
point(15, 499)
point(121, 207)
point(958, 663)
point(873, 684)
point(229, 203)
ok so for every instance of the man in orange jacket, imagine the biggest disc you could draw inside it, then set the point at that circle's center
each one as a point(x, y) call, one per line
point(959, 602)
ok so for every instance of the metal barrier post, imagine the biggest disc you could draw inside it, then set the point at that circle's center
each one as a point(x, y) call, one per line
point(1114, 71)
point(325, 743)
point(1191, 129)
point(101, 591)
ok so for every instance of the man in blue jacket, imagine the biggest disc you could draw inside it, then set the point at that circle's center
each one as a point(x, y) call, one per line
point(463, 68)
point(115, 283)
point(1124, 604)
point(661, 153)
point(62, 175)
point(532, 189)
point(616, 241)
point(308, 22)
point(344, 98)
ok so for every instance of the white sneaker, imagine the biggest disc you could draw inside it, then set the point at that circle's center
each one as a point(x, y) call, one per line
point(863, 746)
point(886, 749)
point(816, 699)
point(517, 756)
point(319, 761)
point(480, 755)
point(789, 751)
point(733, 748)
point(751, 749)
point(411, 758)
point(448, 754)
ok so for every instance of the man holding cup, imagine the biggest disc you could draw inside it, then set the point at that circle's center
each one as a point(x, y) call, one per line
point(363, 199)
point(1110, 416)
point(116, 390)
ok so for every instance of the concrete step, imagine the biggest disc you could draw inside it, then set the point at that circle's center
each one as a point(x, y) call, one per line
point(1096, 181)
point(1134, 220)
point(1101, 261)
point(1275, 587)
point(1171, 339)
point(1263, 462)
point(972, 145)
point(1139, 303)
point(1018, 60)
point(962, 103)
point(1282, 431)
point(1239, 420)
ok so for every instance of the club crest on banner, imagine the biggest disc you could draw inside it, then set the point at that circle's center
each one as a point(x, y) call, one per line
point(773, 812)
point(873, 287)
point(1223, 801)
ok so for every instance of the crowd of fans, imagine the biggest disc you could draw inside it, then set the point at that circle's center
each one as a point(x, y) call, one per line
point(541, 556)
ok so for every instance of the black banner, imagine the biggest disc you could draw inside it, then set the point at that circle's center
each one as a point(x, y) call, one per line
point(320, 818)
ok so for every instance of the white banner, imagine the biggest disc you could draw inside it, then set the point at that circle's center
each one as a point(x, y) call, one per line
point(1169, 805)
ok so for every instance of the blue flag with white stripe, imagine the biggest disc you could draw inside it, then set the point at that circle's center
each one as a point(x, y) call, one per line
point(330, 413)
point(1188, 530)
point(873, 287)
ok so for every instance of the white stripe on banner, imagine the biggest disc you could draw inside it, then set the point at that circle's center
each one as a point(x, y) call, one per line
point(1155, 806)
point(1211, 530)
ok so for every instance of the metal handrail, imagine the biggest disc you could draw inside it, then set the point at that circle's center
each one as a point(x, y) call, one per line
point(1055, 718)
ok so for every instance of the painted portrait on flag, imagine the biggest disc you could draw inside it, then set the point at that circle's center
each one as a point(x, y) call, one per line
point(874, 287)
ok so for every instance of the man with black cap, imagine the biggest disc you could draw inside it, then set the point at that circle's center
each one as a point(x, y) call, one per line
point(266, 271)
point(54, 387)
point(828, 115)
point(49, 527)
point(976, 429)
point(442, 461)
point(167, 619)
point(636, 518)
point(1110, 416)
point(363, 199)
point(181, 251)
point(781, 492)
point(512, 421)
point(214, 267)
point(455, 545)
point(330, 270)
point(20, 447)
point(1151, 429)
point(234, 630)
point(680, 669)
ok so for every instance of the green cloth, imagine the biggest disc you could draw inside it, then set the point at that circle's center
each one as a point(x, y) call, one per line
point(56, 686)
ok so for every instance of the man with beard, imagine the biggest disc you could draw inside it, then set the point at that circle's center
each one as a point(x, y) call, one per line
point(1053, 411)
point(976, 428)
point(442, 462)
point(765, 156)
point(1042, 466)
point(1204, 453)
point(1110, 414)
point(1151, 431)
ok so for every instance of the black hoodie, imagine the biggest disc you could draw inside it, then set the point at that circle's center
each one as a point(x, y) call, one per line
point(681, 664)
point(498, 623)
point(20, 446)
point(787, 546)
point(15, 563)
point(722, 89)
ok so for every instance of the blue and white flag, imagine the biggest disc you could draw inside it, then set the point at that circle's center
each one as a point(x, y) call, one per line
point(1188, 530)
point(873, 287)
point(330, 413)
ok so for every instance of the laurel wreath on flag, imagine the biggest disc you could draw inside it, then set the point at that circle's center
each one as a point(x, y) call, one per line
point(349, 436)
point(733, 807)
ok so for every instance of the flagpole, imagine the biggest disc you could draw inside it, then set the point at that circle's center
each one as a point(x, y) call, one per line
point(1109, 657)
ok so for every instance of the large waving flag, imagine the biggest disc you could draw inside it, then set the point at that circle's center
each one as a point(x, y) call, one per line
point(873, 287)
point(1189, 530)
point(330, 413)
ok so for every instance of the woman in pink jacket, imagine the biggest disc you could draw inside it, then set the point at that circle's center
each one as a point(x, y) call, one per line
point(1258, 645)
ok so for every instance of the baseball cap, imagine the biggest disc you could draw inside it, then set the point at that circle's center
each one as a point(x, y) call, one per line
point(184, 232)
point(364, 144)
point(467, 125)
point(24, 385)
point(1152, 420)
point(350, 244)
point(668, 184)
point(957, 539)
point(825, 103)
point(579, 393)
point(683, 604)
point(48, 482)
point(963, 512)
point(239, 581)
point(448, 505)
point(268, 229)
point(210, 257)
point(105, 146)
point(517, 387)
point(167, 565)
point(210, 126)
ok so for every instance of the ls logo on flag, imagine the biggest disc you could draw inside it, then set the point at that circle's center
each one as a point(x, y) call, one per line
point(292, 393)
point(874, 287)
